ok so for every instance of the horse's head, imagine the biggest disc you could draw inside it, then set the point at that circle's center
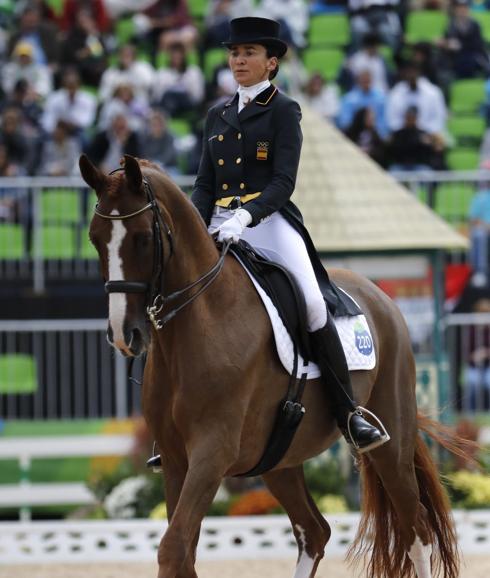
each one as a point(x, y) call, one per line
point(122, 230)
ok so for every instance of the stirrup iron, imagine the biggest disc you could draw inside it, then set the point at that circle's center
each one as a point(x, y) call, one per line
point(385, 437)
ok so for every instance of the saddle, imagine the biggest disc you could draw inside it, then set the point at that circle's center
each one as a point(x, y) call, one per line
point(287, 297)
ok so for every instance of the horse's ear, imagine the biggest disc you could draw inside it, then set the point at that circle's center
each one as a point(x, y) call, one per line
point(91, 174)
point(133, 173)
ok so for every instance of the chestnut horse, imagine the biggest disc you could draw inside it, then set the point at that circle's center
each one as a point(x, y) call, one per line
point(213, 383)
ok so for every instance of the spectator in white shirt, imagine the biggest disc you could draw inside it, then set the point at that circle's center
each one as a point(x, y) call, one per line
point(23, 67)
point(322, 97)
point(127, 70)
point(378, 16)
point(293, 16)
point(179, 88)
point(75, 107)
point(416, 91)
point(369, 58)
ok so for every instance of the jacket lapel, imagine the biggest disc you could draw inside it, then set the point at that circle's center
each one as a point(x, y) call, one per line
point(260, 103)
point(230, 113)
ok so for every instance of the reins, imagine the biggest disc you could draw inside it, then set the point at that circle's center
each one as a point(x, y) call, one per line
point(156, 301)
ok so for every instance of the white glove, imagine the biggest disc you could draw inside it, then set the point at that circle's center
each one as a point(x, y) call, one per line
point(232, 229)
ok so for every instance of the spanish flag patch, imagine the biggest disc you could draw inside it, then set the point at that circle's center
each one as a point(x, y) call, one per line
point(262, 150)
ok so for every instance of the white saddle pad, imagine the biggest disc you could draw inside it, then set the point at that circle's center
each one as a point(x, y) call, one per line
point(354, 334)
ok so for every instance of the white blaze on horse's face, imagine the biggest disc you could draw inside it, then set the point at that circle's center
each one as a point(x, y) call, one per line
point(117, 301)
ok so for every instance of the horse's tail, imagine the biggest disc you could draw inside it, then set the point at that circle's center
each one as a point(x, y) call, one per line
point(379, 537)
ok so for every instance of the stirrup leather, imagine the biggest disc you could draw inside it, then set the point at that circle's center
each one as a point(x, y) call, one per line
point(385, 437)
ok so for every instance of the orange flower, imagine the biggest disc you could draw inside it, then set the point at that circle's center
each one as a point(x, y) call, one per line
point(254, 503)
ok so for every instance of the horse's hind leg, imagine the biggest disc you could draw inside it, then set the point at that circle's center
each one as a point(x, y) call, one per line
point(310, 528)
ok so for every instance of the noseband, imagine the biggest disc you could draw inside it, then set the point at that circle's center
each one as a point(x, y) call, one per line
point(156, 301)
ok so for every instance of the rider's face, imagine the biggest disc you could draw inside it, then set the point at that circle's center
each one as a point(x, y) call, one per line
point(249, 63)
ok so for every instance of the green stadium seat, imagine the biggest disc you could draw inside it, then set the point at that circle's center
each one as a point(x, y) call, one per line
point(12, 241)
point(326, 61)
point(213, 57)
point(18, 374)
point(124, 30)
point(463, 159)
point(483, 18)
point(87, 250)
point(197, 8)
point(329, 29)
point(56, 242)
point(453, 200)
point(425, 25)
point(467, 130)
point(179, 126)
point(466, 96)
point(60, 206)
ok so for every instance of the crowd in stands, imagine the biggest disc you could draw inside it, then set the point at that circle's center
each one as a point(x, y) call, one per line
point(101, 77)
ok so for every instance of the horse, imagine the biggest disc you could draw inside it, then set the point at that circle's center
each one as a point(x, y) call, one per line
point(213, 382)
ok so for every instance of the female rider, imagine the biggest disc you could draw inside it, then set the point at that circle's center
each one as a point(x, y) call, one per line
point(247, 174)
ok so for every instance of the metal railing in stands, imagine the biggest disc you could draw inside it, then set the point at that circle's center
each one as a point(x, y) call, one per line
point(43, 229)
point(62, 369)
point(468, 347)
point(40, 224)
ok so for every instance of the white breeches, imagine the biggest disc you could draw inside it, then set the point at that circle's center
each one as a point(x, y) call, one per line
point(275, 239)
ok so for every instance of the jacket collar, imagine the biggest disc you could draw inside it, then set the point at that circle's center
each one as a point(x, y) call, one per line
point(260, 104)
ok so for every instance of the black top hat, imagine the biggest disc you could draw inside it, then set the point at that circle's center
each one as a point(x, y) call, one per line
point(252, 30)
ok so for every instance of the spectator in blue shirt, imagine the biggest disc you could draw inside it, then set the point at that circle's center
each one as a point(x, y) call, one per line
point(363, 95)
point(479, 215)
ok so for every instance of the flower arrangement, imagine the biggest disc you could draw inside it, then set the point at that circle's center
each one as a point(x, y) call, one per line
point(254, 503)
point(469, 489)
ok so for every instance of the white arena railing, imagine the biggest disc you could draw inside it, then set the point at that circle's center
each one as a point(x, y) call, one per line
point(222, 538)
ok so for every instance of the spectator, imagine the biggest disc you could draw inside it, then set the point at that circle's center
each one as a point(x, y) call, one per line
point(179, 88)
point(60, 153)
point(375, 16)
point(222, 86)
point(22, 67)
point(158, 144)
point(218, 16)
point(363, 95)
point(322, 97)
point(479, 218)
point(83, 48)
point(20, 149)
point(24, 100)
point(95, 8)
point(75, 107)
point(42, 35)
point(11, 200)
point(293, 17)
point(124, 102)
point(109, 146)
point(476, 393)
point(463, 43)
point(367, 58)
point(141, 75)
point(166, 22)
point(412, 149)
point(363, 133)
point(416, 91)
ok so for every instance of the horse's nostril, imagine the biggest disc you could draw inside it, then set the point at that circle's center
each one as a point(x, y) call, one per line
point(110, 334)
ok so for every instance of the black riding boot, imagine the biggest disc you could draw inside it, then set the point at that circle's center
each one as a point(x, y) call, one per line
point(329, 355)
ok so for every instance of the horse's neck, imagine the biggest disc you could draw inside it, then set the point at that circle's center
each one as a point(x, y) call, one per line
point(194, 252)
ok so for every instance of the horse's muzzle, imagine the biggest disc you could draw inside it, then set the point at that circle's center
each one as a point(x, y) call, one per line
point(136, 341)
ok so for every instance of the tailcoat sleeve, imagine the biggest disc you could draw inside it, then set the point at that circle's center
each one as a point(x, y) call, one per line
point(203, 193)
point(287, 143)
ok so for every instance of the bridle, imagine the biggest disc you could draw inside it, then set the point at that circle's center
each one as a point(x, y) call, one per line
point(156, 301)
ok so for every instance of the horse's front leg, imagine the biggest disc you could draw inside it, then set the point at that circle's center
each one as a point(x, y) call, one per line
point(176, 554)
